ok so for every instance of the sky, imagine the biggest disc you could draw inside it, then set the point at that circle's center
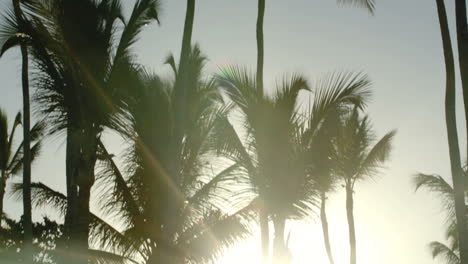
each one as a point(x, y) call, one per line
point(399, 48)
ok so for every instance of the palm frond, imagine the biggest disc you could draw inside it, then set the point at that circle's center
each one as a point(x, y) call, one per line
point(437, 185)
point(113, 182)
point(377, 156)
point(42, 196)
point(441, 251)
point(368, 4)
point(335, 89)
point(104, 257)
point(210, 237)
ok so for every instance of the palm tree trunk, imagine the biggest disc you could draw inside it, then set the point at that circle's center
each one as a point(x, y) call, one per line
point(265, 234)
point(352, 231)
point(27, 207)
point(326, 237)
point(279, 247)
point(450, 112)
point(72, 161)
point(2, 194)
point(173, 197)
point(85, 180)
point(462, 38)
point(260, 45)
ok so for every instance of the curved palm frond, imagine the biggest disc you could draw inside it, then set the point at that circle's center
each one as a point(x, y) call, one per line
point(439, 250)
point(42, 195)
point(437, 185)
point(368, 4)
point(336, 90)
point(377, 156)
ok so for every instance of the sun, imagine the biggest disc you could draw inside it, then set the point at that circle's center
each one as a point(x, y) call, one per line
point(305, 243)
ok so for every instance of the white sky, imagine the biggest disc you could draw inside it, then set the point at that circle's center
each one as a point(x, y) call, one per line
point(399, 48)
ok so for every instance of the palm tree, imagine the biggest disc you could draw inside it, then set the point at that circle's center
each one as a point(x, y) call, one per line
point(357, 159)
point(21, 21)
point(320, 153)
point(181, 86)
point(458, 181)
point(81, 81)
point(275, 151)
point(138, 195)
point(370, 6)
point(451, 123)
point(12, 160)
point(437, 185)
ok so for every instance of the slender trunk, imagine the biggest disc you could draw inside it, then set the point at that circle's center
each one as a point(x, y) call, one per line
point(326, 237)
point(181, 100)
point(85, 180)
point(265, 234)
point(352, 231)
point(279, 247)
point(462, 39)
point(450, 112)
point(180, 88)
point(27, 208)
point(2, 195)
point(71, 161)
point(260, 45)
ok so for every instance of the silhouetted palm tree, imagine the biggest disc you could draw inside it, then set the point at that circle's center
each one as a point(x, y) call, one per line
point(437, 185)
point(458, 180)
point(321, 167)
point(22, 40)
point(12, 160)
point(81, 71)
point(275, 151)
point(263, 215)
point(138, 194)
point(451, 123)
point(357, 160)
point(368, 4)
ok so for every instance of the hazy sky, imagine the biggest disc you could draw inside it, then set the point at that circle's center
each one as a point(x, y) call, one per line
point(399, 48)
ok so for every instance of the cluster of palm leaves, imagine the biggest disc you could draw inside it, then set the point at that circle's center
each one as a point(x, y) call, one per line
point(203, 157)
point(450, 252)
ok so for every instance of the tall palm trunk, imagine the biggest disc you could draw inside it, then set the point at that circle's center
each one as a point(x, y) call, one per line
point(2, 193)
point(350, 216)
point(264, 232)
point(279, 247)
point(27, 207)
point(462, 39)
point(326, 237)
point(260, 45)
point(84, 181)
point(72, 161)
point(450, 112)
point(263, 215)
point(181, 85)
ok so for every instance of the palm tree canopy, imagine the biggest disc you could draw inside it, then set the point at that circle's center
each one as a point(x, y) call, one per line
point(357, 156)
point(437, 185)
point(277, 149)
